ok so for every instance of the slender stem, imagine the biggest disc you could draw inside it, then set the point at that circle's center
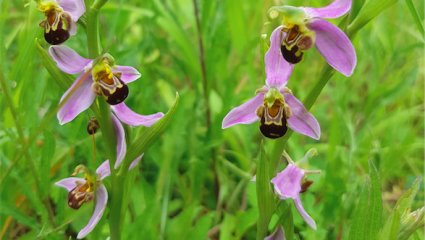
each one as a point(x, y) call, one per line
point(30, 162)
point(202, 60)
point(106, 125)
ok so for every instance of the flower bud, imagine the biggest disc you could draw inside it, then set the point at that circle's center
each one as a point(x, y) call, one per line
point(93, 126)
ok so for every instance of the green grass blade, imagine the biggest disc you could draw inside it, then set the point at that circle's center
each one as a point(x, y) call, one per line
point(405, 202)
point(416, 17)
point(63, 79)
point(46, 157)
point(370, 10)
point(357, 231)
point(375, 204)
point(18, 215)
point(265, 195)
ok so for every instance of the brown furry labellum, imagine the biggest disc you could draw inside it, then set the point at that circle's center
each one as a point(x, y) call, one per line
point(57, 27)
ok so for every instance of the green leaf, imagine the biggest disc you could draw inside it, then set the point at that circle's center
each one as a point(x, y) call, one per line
point(375, 204)
point(46, 157)
point(229, 223)
point(416, 17)
point(10, 210)
point(370, 10)
point(149, 137)
point(286, 219)
point(357, 230)
point(63, 79)
point(265, 195)
point(405, 202)
point(390, 230)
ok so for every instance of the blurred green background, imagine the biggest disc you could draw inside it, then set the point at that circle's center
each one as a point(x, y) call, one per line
point(194, 182)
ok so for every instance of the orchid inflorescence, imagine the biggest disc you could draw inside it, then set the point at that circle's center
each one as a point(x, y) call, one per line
point(274, 104)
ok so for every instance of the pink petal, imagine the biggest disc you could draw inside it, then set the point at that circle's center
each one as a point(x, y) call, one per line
point(121, 144)
point(68, 60)
point(69, 183)
point(73, 29)
point(80, 100)
point(287, 184)
point(334, 10)
point(245, 113)
point(301, 120)
point(277, 69)
point(335, 46)
point(304, 214)
point(129, 74)
point(127, 116)
point(75, 7)
point(135, 162)
point(278, 234)
point(104, 170)
point(101, 200)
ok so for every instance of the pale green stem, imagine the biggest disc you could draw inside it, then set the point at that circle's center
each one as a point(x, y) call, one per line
point(106, 125)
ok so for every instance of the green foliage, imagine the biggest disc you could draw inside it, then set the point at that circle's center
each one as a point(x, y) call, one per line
point(265, 194)
point(193, 182)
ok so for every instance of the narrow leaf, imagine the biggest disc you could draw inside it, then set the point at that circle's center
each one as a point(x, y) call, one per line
point(46, 157)
point(63, 79)
point(405, 202)
point(150, 136)
point(416, 17)
point(390, 230)
point(265, 195)
point(10, 210)
point(370, 10)
point(375, 204)
point(286, 219)
point(357, 230)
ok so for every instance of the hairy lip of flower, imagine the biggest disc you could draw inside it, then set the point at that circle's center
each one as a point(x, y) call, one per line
point(57, 27)
point(273, 114)
point(295, 42)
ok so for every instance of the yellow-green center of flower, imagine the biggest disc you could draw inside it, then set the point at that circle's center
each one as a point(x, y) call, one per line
point(84, 191)
point(107, 83)
point(273, 114)
point(298, 37)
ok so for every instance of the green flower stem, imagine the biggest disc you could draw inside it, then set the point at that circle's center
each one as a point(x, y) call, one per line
point(108, 132)
point(48, 211)
point(93, 41)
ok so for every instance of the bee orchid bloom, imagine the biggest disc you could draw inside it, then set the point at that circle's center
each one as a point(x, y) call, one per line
point(70, 62)
point(61, 18)
point(305, 27)
point(292, 181)
point(274, 104)
point(82, 190)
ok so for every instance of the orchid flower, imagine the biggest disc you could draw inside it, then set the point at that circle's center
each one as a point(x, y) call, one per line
point(275, 104)
point(61, 18)
point(82, 190)
point(278, 234)
point(292, 181)
point(305, 27)
point(70, 62)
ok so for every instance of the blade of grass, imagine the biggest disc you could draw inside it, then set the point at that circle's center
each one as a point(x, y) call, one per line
point(416, 18)
point(375, 204)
